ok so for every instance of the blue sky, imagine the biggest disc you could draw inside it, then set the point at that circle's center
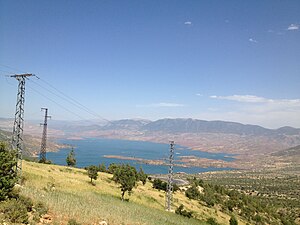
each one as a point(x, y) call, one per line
point(213, 60)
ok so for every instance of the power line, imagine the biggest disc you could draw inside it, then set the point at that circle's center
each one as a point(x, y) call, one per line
point(57, 103)
point(64, 96)
point(70, 100)
point(15, 69)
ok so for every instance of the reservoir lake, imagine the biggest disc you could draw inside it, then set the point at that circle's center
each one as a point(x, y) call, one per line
point(91, 151)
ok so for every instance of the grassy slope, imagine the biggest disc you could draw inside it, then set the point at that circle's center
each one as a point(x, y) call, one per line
point(74, 197)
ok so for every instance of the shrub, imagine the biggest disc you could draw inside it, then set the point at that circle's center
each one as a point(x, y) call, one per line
point(192, 192)
point(183, 212)
point(233, 221)
point(159, 184)
point(41, 209)
point(27, 202)
point(14, 211)
point(7, 173)
point(212, 221)
point(73, 222)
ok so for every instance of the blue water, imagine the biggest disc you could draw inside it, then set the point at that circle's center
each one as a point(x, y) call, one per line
point(91, 151)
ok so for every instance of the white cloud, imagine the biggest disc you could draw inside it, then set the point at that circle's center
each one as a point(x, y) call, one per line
point(198, 94)
point(257, 99)
point(242, 98)
point(263, 111)
point(293, 27)
point(253, 40)
point(188, 23)
point(162, 104)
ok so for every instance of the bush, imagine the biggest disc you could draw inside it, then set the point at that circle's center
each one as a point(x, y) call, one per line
point(73, 222)
point(27, 202)
point(159, 184)
point(233, 221)
point(183, 212)
point(192, 192)
point(212, 221)
point(7, 174)
point(14, 211)
point(41, 209)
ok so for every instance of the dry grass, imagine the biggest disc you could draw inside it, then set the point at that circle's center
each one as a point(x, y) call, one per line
point(69, 194)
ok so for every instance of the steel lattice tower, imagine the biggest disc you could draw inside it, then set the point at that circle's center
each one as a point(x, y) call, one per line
point(169, 192)
point(44, 137)
point(17, 137)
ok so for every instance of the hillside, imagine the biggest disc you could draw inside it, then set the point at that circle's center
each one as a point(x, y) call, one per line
point(32, 144)
point(68, 194)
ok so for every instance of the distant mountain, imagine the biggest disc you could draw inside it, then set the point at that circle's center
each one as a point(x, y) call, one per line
point(130, 124)
point(202, 126)
point(179, 125)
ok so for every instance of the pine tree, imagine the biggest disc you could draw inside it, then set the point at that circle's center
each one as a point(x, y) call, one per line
point(71, 160)
point(92, 173)
point(142, 176)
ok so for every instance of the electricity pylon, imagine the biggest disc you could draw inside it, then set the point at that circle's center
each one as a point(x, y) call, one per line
point(44, 137)
point(169, 192)
point(17, 137)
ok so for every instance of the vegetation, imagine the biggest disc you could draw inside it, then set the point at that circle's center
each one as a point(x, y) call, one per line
point(73, 222)
point(162, 185)
point(92, 172)
point(212, 221)
point(142, 176)
point(233, 221)
point(102, 168)
point(252, 207)
point(73, 198)
point(71, 160)
point(183, 212)
point(7, 173)
point(126, 176)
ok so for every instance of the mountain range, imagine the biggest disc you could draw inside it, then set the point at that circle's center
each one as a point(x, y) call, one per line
point(179, 125)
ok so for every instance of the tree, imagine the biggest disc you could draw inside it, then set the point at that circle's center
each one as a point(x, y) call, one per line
point(112, 168)
point(159, 184)
point(8, 176)
point(71, 160)
point(126, 176)
point(92, 172)
point(193, 192)
point(233, 221)
point(142, 176)
point(102, 168)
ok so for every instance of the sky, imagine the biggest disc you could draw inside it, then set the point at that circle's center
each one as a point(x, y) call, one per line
point(152, 59)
